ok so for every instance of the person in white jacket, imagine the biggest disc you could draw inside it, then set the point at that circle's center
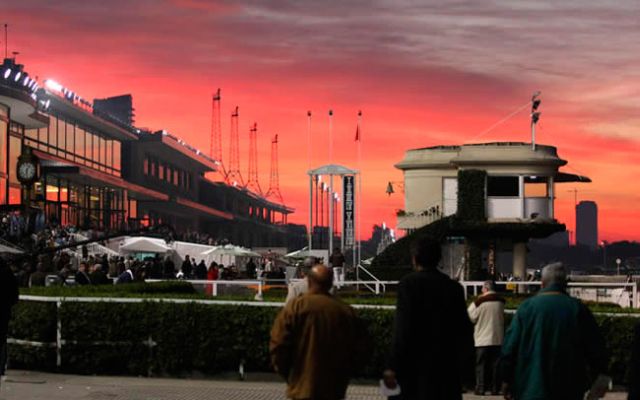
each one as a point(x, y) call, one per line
point(487, 315)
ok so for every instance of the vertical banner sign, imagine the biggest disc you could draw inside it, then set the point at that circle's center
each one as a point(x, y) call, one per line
point(348, 211)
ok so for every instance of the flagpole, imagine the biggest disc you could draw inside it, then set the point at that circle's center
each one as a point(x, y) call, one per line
point(359, 195)
point(309, 232)
point(330, 210)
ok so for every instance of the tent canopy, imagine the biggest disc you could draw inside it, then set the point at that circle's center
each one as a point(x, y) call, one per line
point(230, 250)
point(145, 245)
point(9, 250)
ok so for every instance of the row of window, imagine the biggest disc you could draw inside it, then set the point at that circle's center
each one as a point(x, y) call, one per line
point(166, 172)
point(10, 148)
point(75, 143)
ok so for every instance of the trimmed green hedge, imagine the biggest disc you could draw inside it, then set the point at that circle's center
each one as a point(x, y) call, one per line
point(179, 288)
point(111, 338)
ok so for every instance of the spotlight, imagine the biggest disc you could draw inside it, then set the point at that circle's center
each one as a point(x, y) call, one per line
point(26, 81)
point(18, 74)
point(53, 85)
point(7, 72)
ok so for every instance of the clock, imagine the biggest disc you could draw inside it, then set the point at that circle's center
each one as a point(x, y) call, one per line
point(27, 171)
point(27, 168)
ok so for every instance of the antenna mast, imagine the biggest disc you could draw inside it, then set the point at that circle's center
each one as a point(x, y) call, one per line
point(215, 151)
point(234, 177)
point(253, 184)
point(535, 116)
point(274, 180)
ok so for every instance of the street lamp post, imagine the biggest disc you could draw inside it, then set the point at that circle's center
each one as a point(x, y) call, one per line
point(618, 262)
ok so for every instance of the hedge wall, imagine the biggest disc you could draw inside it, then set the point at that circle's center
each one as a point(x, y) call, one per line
point(110, 338)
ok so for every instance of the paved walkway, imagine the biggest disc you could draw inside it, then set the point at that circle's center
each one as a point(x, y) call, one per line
point(21, 385)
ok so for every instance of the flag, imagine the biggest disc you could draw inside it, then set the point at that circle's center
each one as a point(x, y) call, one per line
point(358, 133)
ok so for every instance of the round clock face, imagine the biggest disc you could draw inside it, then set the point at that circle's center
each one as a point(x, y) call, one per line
point(27, 171)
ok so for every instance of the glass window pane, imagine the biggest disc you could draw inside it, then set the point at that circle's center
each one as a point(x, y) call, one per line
point(3, 191)
point(15, 147)
point(31, 133)
point(14, 195)
point(88, 146)
point(53, 132)
point(61, 137)
point(70, 145)
point(117, 149)
point(103, 154)
point(79, 145)
point(43, 136)
point(503, 186)
point(4, 128)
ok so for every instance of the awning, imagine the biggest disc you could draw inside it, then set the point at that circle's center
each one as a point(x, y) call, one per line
point(145, 245)
point(563, 177)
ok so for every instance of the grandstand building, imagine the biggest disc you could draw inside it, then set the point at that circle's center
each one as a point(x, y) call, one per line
point(97, 170)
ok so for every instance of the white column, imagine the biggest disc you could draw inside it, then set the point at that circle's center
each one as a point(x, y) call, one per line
point(330, 213)
point(552, 194)
point(520, 260)
point(521, 196)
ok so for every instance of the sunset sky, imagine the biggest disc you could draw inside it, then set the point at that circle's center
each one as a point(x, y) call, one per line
point(422, 75)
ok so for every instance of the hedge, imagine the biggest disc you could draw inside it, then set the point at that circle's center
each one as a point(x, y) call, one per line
point(111, 338)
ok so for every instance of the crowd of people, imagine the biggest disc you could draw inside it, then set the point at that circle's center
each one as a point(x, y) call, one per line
point(553, 349)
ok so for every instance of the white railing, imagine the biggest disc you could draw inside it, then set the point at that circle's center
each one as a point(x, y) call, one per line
point(247, 283)
point(576, 289)
point(377, 282)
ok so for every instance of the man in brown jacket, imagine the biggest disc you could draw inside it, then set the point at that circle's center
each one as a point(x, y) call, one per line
point(316, 342)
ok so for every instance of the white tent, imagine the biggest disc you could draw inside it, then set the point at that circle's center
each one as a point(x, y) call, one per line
point(144, 245)
point(227, 254)
point(193, 250)
point(9, 250)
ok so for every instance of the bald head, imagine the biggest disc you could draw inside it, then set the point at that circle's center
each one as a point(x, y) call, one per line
point(320, 279)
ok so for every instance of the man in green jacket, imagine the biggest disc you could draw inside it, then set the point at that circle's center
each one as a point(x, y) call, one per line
point(553, 348)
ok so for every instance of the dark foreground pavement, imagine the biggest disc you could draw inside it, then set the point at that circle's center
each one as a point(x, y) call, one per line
point(22, 385)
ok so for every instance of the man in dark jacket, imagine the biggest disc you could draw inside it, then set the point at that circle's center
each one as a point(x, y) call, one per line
point(98, 277)
point(186, 267)
point(82, 278)
point(8, 298)
point(432, 349)
point(552, 345)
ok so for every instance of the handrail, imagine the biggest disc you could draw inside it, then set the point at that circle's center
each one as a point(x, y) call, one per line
point(377, 282)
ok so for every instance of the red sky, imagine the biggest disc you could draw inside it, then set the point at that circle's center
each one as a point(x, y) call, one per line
point(422, 76)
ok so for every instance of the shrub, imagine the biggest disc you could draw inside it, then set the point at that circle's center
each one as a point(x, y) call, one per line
point(112, 338)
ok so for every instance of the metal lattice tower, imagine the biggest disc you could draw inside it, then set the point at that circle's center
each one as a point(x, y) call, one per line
point(274, 180)
point(215, 150)
point(252, 183)
point(233, 176)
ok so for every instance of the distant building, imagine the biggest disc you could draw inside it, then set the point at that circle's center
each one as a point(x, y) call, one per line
point(587, 224)
point(518, 193)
